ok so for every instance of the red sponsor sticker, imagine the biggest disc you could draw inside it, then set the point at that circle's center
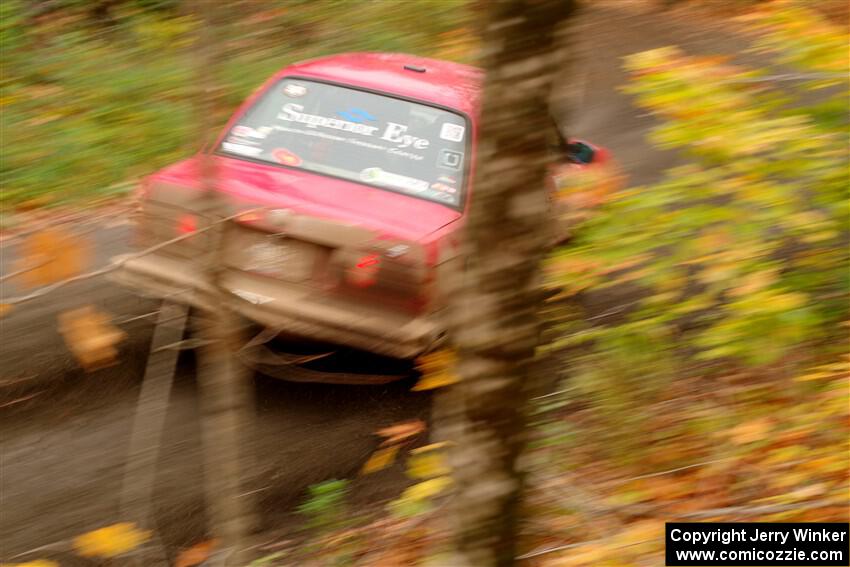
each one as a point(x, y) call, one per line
point(286, 157)
point(443, 187)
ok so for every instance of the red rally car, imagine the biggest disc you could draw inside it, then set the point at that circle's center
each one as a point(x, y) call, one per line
point(352, 174)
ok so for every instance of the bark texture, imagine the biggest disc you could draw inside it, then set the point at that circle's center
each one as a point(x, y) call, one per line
point(495, 319)
point(225, 385)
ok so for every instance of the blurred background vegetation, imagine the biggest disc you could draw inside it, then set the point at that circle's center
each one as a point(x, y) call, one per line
point(98, 93)
point(716, 388)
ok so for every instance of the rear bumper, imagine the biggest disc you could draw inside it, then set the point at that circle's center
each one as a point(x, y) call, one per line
point(295, 310)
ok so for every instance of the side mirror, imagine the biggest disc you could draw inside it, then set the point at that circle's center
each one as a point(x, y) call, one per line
point(569, 151)
point(579, 152)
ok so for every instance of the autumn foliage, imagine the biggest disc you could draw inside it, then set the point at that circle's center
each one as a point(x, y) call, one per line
point(719, 390)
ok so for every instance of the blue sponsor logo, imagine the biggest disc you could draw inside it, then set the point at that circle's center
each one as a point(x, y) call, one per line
point(357, 115)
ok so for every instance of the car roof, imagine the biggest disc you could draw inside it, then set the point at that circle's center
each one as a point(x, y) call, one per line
point(445, 83)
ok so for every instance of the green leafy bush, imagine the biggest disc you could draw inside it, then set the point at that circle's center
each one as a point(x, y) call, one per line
point(326, 506)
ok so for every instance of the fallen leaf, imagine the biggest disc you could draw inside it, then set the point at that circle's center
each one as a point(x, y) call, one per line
point(90, 336)
point(380, 459)
point(400, 431)
point(196, 554)
point(428, 462)
point(750, 431)
point(427, 488)
point(438, 370)
point(110, 541)
point(434, 381)
point(51, 255)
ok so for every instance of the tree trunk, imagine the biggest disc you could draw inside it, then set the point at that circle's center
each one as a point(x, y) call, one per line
point(225, 385)
point(495, 319)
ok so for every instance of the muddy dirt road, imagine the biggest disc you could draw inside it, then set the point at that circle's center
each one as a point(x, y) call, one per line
point(63, 448)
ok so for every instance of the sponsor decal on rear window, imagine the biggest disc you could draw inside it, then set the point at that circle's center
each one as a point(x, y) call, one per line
point(294, 90)
point(241, 149)
point(378, 176)
point(450, 159)
point(360, 136)
point(452, 132)
point(286, 157)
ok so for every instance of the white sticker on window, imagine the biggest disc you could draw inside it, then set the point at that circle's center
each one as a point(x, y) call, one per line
point(294, 90)
point(243, 131)
point(452, 132)
point(378, 176)
point(241, 149)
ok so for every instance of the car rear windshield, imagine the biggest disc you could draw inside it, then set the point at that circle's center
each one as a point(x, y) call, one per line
point(360, 136)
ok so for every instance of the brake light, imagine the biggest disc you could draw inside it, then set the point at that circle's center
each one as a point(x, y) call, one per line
point(365, 271)
point(187, 224)
point(369, 261)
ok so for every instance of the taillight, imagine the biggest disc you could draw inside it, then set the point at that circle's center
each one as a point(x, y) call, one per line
point(364, 273)
point(369, 261)
point(187, 224)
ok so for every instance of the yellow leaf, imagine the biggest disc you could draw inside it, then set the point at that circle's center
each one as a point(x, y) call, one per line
point(820, 236)
point(196, 554)
point(110, 541)
point(437, 368)
point(90, 337)
point(788, 301)
point(434, 381)
point(380, 459)
point(437, 360)
point(814, 376)
point(427, 462)
point(36, 563)
point(750, 431)
point(754, 282)
point(52, 255)
point(4, 309)
point(825, 371)
point(828, 464)
point(401, 431)
point(715, 273)
point(426, 489)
